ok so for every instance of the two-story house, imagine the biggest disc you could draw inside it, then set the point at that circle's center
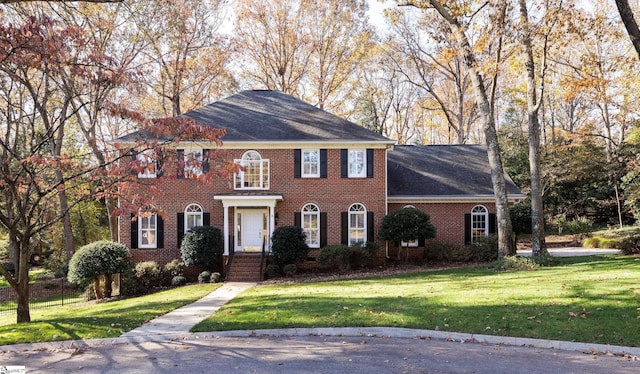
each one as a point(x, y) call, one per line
point(304, 166)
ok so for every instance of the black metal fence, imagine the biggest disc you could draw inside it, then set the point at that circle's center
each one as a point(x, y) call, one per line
point(43, 294)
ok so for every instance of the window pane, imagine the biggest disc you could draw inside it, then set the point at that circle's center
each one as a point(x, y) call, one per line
point(357, 163)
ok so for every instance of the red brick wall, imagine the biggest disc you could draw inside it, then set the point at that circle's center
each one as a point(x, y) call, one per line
point(333, 195)
point(448, 218)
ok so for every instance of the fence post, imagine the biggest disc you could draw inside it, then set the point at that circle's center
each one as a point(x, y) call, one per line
point(62, 284)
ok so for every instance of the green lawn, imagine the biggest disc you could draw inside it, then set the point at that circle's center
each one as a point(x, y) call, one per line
point(587, 299)
point(98, 320)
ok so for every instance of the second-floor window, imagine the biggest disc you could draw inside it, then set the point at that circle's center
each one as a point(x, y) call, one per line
point(148, 164)
point(357, 163)
point(310, 163)
point(255, 175)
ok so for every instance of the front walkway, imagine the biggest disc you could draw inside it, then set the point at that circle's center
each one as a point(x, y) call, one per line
point(181, 320)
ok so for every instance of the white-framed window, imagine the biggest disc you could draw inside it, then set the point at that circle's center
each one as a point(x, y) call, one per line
point(357, 163)
point(479, 222)
point(147, 161)
point(311, 224)
point(357, 224)
point(310, 163)
point(192, 217)
point(192, 163)
point(255, 175)
point(410, 243)
point(147, 230)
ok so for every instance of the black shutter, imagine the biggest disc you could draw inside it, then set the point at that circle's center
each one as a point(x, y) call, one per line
point(370, 227)
point(297, 219)
point(297, 163)
point(344, 162)
point(467, 228)
point(180, 219)
point(344, 226)
point(323, 163)
point(160, 231)
point(323, 229)
point(206, 154)
point(493, 223)
point(134, 232)
point(206, 219)
point(369, 163)
point(180, 164)
point(134, 162)
point(159, 163)
point(421, 242)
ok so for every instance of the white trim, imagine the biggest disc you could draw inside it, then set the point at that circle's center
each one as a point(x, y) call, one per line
point(192, 213)
point(240, 201)
point(451, 199)
point(311, 213)
point(154, 231)
point(363, 172)
point(362, 212)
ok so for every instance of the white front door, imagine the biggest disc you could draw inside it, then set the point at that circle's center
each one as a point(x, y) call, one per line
point(252, 226)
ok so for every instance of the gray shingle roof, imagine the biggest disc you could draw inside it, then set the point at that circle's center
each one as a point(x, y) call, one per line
point(269, 116)
point(441, 170)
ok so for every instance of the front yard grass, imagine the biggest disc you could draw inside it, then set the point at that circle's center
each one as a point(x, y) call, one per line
point(592, 299)
point(97, 320)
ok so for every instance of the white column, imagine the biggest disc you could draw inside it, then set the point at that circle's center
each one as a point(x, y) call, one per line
point(226, 229)
point(272, 223)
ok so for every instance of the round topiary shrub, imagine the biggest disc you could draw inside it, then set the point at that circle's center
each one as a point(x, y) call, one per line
point(178, 280)
point(289, 270)
point(148, 275)
point(204, 277)
point(202, 246)
point(97, 259)
point(289, 245)
point(216, 277)
point(272, 271)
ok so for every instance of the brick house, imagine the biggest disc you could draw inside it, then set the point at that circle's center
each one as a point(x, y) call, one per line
point(306, 167)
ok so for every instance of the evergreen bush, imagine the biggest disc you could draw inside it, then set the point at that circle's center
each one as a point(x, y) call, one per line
point(102, 258)
point(178, 280)
point(289, 245)
point(204, 277)
point(202, 246)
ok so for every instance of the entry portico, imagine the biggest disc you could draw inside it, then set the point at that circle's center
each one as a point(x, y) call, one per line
point(253, 221)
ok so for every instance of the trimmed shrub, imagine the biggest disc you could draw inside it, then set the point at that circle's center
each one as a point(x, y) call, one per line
point(178, 280)
point(580, 227)
point(289, 270)
point(148, 275)
point(202, 246)
point(272, 271)
point(345, 258)
point(513, 263)
point(204, 277)
point(630, 245)
point(288, 245)
point(174, 268)
point(485, 249)
point(96, 259)
point(216, 277)
point(446, 252)
point(406, 224)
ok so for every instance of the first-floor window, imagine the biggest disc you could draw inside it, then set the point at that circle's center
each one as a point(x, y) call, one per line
point(192, 217)
point(479, 222)
point(311, 225)
point(357, 224)
point(147, 230)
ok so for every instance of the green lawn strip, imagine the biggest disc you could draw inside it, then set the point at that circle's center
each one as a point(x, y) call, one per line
point(588, 299)
point(34, 274)
point(98, 320)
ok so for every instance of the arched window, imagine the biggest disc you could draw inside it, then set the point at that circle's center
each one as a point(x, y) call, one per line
point(311, 224)
point(479, 222)
point(255, 175)
point(192, 217)
point(357, 224)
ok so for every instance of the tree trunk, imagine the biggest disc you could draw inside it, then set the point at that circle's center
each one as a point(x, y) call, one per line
point(626, 14)
point(538, 244)
point(22, 289)
point(111, 205)
point(505, 243)
point(69, 243)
